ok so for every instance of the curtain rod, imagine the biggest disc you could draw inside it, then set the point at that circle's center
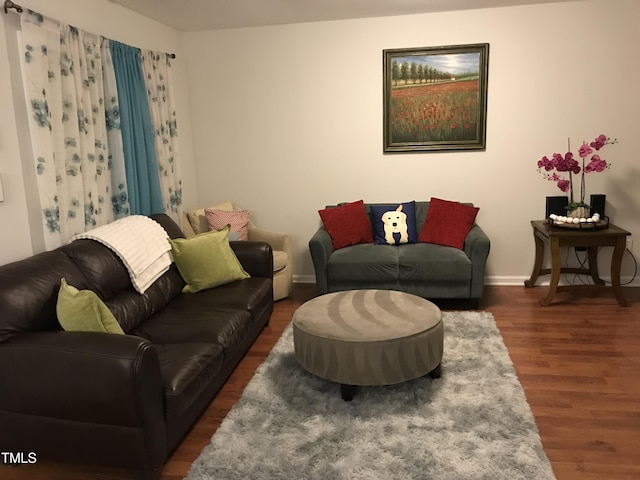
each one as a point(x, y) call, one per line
point(9, 4)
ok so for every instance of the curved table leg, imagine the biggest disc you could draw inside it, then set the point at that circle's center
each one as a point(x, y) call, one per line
point(616, 263)
point(537, 264)
point(593, 265)
point(555, 272)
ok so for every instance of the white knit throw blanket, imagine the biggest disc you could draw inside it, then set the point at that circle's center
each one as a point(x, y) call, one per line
point(142, 245)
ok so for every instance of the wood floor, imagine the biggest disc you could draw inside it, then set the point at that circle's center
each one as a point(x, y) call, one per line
point(577, 360)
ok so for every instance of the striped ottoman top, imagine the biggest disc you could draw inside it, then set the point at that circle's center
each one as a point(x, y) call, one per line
point(366, 315)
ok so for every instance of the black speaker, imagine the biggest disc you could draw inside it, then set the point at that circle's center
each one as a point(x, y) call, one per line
point(597, 204)
point(557, 205)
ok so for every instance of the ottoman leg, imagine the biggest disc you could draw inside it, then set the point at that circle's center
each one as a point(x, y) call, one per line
point(436, 372)
point(348, 391)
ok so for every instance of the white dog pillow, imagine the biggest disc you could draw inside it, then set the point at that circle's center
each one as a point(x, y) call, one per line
point(395, 226)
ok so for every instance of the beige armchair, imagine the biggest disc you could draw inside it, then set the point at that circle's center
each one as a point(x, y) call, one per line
point(194, 222)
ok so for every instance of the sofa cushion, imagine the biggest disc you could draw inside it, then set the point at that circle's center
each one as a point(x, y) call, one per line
point(83, 311)
point(347, 224)
point(187, 320)
point(206, 260)
point(221, 315)
point(366, 262)
point(169, 224)
point(29, 291)
point(447, 223)
point(238, 221)
point(105, 273)
point(430, 262)
point(394, 224)
point(132, 308)
point(421, 215)
point(251, 294)
point(186, 370)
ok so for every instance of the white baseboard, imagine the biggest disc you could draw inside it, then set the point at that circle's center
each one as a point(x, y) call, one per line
point(565, 279)
point(503, 280)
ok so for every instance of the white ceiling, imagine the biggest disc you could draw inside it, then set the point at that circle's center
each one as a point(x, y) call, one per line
point(193, 15)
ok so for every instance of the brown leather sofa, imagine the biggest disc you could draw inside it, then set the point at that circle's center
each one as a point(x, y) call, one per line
point(121, 400)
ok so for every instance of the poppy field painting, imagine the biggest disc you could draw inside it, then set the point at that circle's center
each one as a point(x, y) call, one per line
point(435, 98)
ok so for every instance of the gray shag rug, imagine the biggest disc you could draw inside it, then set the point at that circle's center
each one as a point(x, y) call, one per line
point(473, 423)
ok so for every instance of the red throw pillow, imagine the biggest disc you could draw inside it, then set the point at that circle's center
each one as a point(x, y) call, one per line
point(447, 223)
point(347, 224)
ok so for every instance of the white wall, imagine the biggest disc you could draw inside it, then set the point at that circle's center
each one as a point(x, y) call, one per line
point(100, 17)
point(287, 119)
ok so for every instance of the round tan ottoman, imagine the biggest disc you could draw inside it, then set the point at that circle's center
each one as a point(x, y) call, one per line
point(368, 337)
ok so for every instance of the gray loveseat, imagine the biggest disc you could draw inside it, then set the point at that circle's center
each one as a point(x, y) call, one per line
point(435, 272)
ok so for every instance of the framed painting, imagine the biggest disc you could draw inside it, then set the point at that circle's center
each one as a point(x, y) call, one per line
point(435, 98)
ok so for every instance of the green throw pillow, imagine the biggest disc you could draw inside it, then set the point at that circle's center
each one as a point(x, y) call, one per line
point(206, 260)
point(83, 311)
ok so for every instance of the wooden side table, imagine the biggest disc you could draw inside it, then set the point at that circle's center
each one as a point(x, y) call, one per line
point(592, 239)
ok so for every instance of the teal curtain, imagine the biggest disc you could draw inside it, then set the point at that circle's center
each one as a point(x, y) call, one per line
point(145, 196)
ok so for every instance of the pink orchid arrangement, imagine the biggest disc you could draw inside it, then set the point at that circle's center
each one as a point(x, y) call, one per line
point(568, 164)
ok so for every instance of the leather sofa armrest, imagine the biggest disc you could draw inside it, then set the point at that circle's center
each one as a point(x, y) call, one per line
point(84, 377)
point(477, 246)
point(321, 249)
point(256, 257)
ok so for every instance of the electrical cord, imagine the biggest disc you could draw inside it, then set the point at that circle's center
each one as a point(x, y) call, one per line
point(635, 268)
point(578, 279)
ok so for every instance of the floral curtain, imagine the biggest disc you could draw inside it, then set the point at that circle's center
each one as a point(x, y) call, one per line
point(65, 91)
point(119, 194)
point(157, 73)
point(84, 172)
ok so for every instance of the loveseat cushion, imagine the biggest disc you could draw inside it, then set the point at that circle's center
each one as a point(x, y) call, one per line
point(365, 262)
point(429, 262)
point(384, 263)
point(187, 369)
